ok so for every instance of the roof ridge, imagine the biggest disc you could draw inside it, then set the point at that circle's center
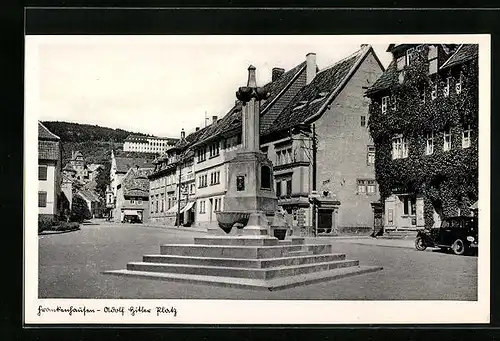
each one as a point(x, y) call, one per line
point(452, 55)
point(360, 55)
point(48, 131)
point(357, 52)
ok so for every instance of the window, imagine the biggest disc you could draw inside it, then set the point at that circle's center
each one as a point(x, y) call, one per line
point(214, 149)
point(399, 147)
point(429, 143)
point(447, 140)
point(289, 187)
point(393, 102)
point(42, 172)
point(409, 205)
point(409, 55)
point(139, 201)
point(202, 154)
point(363, 121)
point(217, 204)
point(162, 202)
point(421, 92)
point(361, 187)
point(385, 99)
point(202, 206)
point(446, 90)
point(215, 178)
point(191, 189)
point(278, 189)
point(152, 207)
point(240, 183)
point(202, 181)
point(265, 177)
point(434, 88)
point(466, 137)
point(458, 84)
point(42, 199)
point(132, 201)
point(370, 158)
point(370, 187)
point(157, 200)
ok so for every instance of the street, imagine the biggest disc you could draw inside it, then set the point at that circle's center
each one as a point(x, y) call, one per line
point(71, 266)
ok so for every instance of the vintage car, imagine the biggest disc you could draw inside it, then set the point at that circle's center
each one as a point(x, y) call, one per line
point(459, 234)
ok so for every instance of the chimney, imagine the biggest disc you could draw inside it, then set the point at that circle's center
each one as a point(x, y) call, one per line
point(277, 73)
point(214, 119)
point(183, 133)
point(197, 128)
point(310, 67)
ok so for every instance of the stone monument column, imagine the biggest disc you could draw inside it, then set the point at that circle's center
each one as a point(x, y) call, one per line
point(250, 189)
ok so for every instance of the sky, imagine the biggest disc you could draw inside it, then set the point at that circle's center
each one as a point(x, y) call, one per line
point(161, 84)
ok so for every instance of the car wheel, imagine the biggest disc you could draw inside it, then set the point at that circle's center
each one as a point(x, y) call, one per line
point(459, 247)
point(419, 244)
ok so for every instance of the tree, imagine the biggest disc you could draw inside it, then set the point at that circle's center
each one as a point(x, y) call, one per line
point(103, 179)
point(79, 210)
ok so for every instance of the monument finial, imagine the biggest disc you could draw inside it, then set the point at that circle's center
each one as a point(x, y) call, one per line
point(252, 82)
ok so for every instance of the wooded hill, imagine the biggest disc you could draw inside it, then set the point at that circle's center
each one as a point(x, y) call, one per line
point(93, 141)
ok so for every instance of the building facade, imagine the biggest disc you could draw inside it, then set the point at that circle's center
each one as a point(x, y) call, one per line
point(49, 174)
point(332, 110)
point(172, 185)
point(148, 144)
point(132, 199)
point(424, 121)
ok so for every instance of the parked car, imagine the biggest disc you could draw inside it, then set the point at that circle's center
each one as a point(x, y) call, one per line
point(459, 234)
point(131, 219)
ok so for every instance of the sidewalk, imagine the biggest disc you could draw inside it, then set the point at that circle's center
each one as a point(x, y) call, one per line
point(398, 243)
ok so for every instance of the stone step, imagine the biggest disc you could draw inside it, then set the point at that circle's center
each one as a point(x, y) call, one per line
point(298, 259)
point(255, 284)
point(264, 273)
point(237, 240)
point(300, 253)
point(246, 252)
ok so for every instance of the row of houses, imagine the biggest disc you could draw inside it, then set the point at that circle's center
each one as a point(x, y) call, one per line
point(329, 132)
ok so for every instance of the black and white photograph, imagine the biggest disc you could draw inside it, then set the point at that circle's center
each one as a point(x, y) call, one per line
point(268, 179)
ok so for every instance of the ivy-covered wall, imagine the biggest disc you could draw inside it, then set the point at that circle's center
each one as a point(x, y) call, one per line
point(448, 180)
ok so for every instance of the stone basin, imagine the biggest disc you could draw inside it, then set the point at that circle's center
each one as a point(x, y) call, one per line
point(227, 220)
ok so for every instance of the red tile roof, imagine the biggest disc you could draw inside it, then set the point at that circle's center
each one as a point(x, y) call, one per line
point(136, 182)
point(48, 150)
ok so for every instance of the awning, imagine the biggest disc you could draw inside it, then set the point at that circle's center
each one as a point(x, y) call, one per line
point(130, 212)
point(187, 207)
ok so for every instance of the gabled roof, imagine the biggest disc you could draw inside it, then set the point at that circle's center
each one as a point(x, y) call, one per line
point(89, 195)
point(463, 54)
point(231, 122)
point(48, 150)
point(312, 100)
point(123, 164)
point(136, 182)
point(69, 168)
point(46, 134)
point(386, 80)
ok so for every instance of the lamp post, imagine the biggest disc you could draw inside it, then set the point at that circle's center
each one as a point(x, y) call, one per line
point(181, 159)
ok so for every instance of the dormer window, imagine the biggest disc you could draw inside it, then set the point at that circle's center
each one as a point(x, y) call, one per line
point(409, 55)
point(385, 101)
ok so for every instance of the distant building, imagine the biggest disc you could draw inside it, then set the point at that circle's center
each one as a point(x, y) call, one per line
point(120, 166)
point(78, 169)
point(132, 198)
point(94, 203)
point(429, 161)
point(148, 144)
point(167, 199)
point(49, 174)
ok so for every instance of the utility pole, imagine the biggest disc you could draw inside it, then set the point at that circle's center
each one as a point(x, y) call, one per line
point(314, 171)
